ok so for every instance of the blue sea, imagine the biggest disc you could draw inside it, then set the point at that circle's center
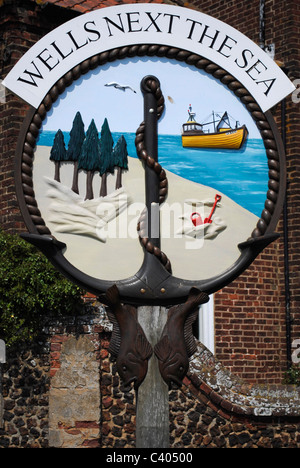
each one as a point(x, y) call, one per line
point(242, 175)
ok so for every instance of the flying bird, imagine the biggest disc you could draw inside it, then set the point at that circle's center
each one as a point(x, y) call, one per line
point(119, 86)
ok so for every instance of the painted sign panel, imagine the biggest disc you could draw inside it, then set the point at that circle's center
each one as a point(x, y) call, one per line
point(216, 189)
point(146, 160)
point(124, 25)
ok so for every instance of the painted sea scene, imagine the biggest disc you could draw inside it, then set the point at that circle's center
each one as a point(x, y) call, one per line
point(215, 168)
point(220, 190)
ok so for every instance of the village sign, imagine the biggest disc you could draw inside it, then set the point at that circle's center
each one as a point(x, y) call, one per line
point(204, 195)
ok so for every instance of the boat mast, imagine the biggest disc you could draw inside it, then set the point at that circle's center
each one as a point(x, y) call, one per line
point(191, 114)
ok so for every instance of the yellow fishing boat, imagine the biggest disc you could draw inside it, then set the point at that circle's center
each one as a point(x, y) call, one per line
point(223, 135)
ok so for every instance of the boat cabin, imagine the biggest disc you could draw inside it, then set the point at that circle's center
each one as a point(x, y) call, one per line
point(192, 127)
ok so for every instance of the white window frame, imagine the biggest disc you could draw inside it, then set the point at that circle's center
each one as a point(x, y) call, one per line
point(207, 325)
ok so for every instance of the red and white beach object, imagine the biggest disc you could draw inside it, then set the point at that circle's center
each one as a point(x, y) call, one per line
point(196, 217)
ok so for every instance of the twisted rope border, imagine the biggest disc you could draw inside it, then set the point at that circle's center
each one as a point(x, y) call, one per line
point(200, 63)
point(142, 153)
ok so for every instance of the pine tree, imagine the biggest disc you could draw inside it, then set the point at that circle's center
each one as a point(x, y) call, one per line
point(120, 159)
point(106, 162)
point(89, 159)
point(58, 153)
point(77, 136)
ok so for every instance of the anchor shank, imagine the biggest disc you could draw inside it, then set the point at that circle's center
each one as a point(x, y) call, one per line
point(151, 177)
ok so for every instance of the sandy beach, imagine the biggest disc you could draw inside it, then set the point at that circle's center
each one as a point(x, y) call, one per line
point(111, 250)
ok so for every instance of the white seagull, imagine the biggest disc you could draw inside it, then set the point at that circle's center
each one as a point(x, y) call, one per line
point(118, 86)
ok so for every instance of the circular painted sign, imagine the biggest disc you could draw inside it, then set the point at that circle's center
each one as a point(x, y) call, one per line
point(150, 167)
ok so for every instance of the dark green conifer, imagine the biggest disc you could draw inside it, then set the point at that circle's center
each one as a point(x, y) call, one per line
point(106, 161)
point(77, 136)
point(89, 159)
point(120, 159)
point(58, 153)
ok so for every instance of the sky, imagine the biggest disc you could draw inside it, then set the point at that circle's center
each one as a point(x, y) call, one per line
point(181, 86)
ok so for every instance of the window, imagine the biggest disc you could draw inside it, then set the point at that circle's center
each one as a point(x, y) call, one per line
point(2, 352)
point(207, 325)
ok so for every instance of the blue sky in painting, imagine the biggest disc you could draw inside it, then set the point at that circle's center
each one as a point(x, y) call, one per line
point(181, 85)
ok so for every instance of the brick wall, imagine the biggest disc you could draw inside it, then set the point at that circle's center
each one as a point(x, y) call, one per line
point(250, 313)
point(250, 321)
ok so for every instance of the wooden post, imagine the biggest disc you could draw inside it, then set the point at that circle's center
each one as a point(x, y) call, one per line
point(152, 414)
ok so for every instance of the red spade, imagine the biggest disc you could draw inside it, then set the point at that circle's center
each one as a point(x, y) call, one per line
point(217, 199)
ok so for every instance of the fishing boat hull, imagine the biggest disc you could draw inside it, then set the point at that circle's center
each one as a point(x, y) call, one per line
point(229, 139)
